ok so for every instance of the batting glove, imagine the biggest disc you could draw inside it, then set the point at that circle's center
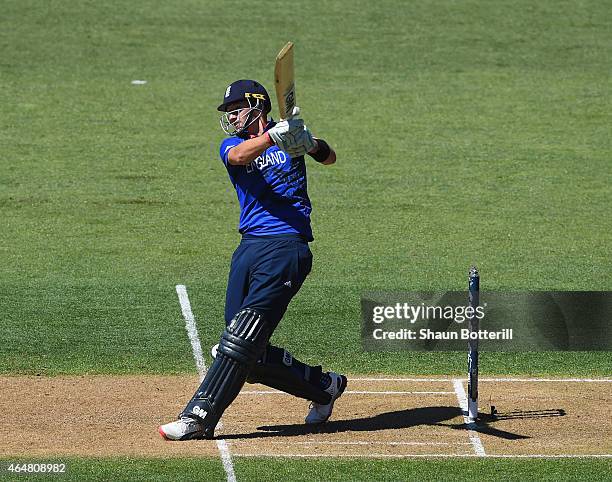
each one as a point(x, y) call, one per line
point(305, 143)
point(286, 133)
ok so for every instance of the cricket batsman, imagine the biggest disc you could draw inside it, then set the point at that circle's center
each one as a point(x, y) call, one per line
point(266, 165)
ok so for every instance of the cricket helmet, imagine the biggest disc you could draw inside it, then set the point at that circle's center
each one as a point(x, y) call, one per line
point(249, 90)
point(237, 121)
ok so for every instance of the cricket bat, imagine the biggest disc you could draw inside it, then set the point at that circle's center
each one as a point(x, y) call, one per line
point(284, 81)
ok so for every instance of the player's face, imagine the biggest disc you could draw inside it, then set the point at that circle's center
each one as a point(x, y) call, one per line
point(238, 114)
point(240, 117)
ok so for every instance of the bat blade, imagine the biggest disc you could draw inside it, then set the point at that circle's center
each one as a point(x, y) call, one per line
point(284, 81)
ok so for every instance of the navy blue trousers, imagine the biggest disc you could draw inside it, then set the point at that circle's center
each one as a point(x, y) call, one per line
point(265, 274)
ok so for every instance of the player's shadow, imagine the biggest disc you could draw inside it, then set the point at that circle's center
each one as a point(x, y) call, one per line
point(383, 421)
point(486, 421)
point(421, 416)
point(524, 414)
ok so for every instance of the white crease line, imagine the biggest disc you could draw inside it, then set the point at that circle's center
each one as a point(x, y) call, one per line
point(490, 379)
point(367, 379)
point(374, 442)
point(226, 458)
point(391, 392)
point(192, 330)
point(463, 403)
point(350, 456)
point(547, 380)
point(349, 392)
point(547, 456)
point(432, 456)
point(196, 346)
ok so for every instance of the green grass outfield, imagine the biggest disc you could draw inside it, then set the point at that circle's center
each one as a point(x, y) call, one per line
point(262, 469)
point(466, 132)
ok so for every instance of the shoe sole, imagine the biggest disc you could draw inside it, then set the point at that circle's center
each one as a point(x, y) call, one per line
point(189, 436)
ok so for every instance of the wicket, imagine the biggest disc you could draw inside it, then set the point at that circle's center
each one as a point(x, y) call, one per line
point(473, 325)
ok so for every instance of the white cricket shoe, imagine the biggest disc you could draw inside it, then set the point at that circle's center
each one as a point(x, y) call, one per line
point(184, 428)
point(320, 413)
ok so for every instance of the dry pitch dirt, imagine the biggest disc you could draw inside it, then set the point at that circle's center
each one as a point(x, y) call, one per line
point(119, 416)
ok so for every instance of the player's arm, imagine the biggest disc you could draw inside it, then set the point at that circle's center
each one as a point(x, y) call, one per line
point(283, 134)
point(322, 152)
point(248, 150)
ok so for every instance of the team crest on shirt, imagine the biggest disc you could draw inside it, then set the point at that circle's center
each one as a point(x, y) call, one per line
point(270, 158)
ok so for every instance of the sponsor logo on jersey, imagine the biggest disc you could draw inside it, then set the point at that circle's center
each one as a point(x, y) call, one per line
point(271, 158)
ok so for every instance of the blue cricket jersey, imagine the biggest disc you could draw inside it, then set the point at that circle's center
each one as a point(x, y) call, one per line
point(272, 192)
